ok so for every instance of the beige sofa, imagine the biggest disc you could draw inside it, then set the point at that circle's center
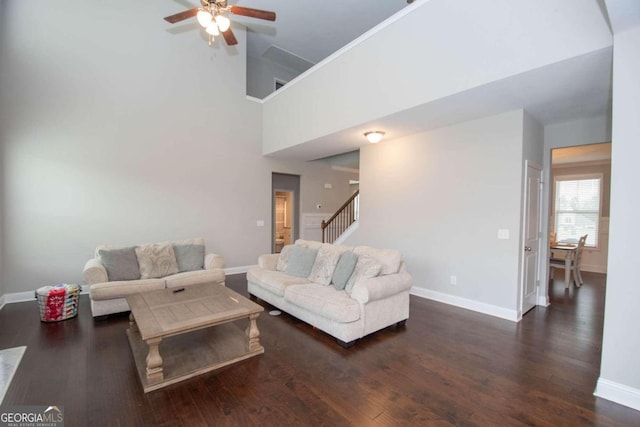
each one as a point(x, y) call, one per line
point(116, 272)
point(374, 296)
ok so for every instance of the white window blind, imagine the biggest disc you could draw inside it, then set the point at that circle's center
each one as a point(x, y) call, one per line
point(577, 209)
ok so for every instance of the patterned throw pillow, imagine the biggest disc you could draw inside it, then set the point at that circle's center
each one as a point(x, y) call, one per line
point(366, 268)
point(326, 261)
point(156, 260)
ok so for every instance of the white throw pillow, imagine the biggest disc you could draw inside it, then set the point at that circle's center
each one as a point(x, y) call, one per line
point(388, 258)
point(156, 260)
point(326, 261)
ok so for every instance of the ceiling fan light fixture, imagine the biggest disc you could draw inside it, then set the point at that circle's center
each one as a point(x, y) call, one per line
point(223, 22)
point(212, 29)
point(374, 136)
point(204, 17)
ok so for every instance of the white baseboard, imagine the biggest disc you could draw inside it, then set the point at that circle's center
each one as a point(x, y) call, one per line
point(480, 307)
point(543, 301)
point(593, 268)
point(618, 393)
point(237, 270)
point(2, 301)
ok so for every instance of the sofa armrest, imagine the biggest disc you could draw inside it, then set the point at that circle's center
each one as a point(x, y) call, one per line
point(380, 287)
point(212, 261)
point(268, 261)
point(94, 272)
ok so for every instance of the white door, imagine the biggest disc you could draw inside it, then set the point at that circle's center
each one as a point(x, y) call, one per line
point(531, 250)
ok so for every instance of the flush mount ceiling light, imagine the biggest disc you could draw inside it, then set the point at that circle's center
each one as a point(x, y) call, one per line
point(212, 17)
point(374, 136)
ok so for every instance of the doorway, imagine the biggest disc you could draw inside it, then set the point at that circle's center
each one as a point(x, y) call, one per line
point(285, 224)
point(579, 198)
point(283, 214)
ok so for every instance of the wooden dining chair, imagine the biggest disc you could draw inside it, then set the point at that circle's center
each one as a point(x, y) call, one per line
point(576, 259)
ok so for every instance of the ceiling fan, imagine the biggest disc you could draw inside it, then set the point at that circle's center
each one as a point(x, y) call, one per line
point(212, 17)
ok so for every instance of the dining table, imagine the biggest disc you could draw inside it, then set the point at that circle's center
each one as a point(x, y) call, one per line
point(568, 251)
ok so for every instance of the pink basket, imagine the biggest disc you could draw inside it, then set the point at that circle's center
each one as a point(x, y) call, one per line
point(59, 302)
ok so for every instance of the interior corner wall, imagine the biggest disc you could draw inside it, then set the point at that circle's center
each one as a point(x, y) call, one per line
point(127, 134)
point(262, 73)
point(3, 5)
point(619, 374)
point(440, 197)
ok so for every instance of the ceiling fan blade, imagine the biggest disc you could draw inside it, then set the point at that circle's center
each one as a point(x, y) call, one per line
point(182, 16)
point(253, 13)
point(229, 37)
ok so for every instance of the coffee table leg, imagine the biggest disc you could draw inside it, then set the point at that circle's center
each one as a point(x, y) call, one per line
point(132, 323)
point(253, 334)
point(154, 360)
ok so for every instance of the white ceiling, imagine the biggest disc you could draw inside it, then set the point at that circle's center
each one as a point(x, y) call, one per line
point(312, 29)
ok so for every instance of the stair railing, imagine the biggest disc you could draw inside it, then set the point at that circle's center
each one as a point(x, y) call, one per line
point(342, 219)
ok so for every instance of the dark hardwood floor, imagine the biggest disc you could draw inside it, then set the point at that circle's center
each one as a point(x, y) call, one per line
point(447, 366)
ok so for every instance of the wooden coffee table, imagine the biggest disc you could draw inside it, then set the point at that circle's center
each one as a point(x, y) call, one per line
point(178, 335)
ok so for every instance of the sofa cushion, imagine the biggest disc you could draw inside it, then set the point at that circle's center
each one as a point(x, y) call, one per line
point(156, 260)
point(189, 257)
point(283, 259)
point(194, 277)
point(313, 244)
point(325, 264)
point(325, 301)
point(120, 263)
point(365, 268)
point(301, 261)
point(388, 258)
point(121, 289)
point(273, 281)
point(344, 269)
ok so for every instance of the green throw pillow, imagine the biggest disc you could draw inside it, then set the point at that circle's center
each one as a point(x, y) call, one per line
point(121, 264)
point(301, 261)
point(189, 257)
point(344, 269)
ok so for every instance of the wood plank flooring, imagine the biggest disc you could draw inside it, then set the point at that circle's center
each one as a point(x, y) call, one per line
point(447, 366)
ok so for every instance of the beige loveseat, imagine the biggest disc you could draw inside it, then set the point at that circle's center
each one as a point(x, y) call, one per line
point(346, 292)
point(116, 272)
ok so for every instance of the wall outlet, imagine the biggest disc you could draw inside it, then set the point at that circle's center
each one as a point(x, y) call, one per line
point(503, 234)
point(453, 280)
point(260, 223)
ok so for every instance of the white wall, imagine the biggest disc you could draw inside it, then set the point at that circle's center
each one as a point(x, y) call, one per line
point(117, 130)
point(461, 45)
point(619, 373)
point(3, 4)
point(440, 197)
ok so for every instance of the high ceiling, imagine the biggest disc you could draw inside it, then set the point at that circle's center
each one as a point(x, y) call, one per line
point(311, 30)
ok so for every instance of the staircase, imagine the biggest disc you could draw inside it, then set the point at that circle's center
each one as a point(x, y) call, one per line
point(342, 219)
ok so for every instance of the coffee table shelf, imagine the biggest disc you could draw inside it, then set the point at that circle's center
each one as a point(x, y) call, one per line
point(175, 336)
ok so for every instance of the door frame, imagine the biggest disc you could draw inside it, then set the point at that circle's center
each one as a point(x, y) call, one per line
point(290, 183)
point(525, 218)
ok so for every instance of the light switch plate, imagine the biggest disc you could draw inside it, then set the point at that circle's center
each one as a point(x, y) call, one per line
point(503, 233)
point(260, 223)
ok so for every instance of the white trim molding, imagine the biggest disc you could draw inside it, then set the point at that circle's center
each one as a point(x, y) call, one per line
point(237, 270)
point(618, 393)
point(480, 307)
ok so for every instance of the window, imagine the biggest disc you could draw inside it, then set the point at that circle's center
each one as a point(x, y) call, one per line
point(577, 208)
